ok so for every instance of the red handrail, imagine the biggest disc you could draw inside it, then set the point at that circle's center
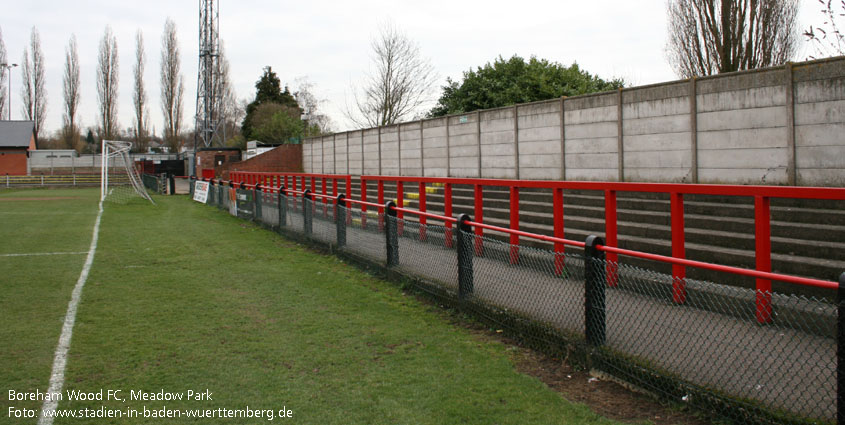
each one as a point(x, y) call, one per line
point(727, 269)
point(527, 234)
point(674, 260)
point(426, 214)
point(362, 203)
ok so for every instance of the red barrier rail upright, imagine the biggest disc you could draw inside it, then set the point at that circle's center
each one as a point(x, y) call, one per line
point(294, 180)
point(767, 191)
point(676, 192)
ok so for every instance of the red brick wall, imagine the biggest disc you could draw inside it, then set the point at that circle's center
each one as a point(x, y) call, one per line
point(206, 160)
point(13, 162)
point(285, 158)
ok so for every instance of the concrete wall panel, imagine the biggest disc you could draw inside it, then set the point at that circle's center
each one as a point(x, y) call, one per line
point(656, 125)
point(742, 134)
point(657, 142)
point(760, 97)
point(774, 116)
point(592, 130)
point(744, 138)
point(656, 108)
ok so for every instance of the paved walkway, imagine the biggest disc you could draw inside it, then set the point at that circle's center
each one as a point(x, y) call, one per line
point(783, 367)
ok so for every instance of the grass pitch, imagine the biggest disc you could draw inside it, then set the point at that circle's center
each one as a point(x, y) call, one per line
point(183, 297)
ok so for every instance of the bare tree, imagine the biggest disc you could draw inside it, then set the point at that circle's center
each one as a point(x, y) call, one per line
point(107, 82)
point(4, 91)
point(172, 88)
point(318, 122)
point(401, 83)
point(33, 91)
point(70, 89)
point(828, 39)
point(139, 95)
point(708, 37)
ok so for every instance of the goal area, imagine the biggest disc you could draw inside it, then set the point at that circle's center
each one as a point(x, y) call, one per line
point(120, 181)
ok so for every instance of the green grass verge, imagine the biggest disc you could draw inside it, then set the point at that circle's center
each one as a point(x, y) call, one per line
point(35, 290)
point(183, 297)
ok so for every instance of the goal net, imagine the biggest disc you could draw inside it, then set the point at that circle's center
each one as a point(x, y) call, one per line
point(119, 179)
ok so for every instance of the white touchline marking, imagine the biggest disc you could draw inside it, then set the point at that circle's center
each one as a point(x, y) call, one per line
point(57, 377)
point(43, 253)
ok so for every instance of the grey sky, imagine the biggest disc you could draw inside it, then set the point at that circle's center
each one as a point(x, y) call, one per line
point(328, 41)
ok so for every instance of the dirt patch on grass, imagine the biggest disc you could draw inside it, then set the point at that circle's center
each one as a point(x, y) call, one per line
point(38, 198)
point(606, 398)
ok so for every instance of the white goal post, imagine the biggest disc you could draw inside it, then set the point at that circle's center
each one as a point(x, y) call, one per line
point(119, 179)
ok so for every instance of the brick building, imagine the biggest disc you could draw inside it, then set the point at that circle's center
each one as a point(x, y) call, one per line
point(17, 139)
point(211, 160)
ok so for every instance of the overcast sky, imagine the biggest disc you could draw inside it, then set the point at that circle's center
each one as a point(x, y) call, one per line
point(329, 42)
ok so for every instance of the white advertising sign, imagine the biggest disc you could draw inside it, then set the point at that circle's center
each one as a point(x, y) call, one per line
point(201, 191)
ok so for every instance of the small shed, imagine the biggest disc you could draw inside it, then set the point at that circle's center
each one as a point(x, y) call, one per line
point(17, 139)
point(210, 159)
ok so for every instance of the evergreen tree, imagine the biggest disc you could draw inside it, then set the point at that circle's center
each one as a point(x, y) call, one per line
point(512, 81)
point(268, 90)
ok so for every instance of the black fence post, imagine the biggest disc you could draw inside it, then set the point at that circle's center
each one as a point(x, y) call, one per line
point(391, 234)
point(172, 185)
point(594, 292)
point(840, 351)
point(257, 193)
point(283, 207)
point(191, 184)
point(307, 213)
point(340, 220)
point(465, 239)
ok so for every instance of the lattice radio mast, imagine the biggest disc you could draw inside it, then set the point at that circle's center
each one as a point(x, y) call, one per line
point(209, 122)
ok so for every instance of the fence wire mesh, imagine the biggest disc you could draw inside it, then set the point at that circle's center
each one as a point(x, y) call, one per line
point(708, 348)
point(540, 286)
point(154, 183)
point(426, 251)
point(703, 346)
point(365, 235)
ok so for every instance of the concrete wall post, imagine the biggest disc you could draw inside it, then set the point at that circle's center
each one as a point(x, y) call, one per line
point(448, 151)
point(422, 152)
point(693, 125)
point(478, 139)
point(791, 174)
point(620, 149)
point(516, 139)
point(562, 138)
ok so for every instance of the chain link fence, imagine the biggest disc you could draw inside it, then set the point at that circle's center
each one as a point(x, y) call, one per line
point(155, 183)
point(706, 349)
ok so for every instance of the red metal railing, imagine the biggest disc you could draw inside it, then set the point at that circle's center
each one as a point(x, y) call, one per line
point(676, 192)
point(296, 181)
